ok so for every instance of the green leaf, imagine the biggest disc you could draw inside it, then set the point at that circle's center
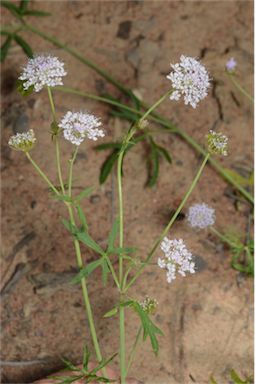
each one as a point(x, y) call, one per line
point(135, 100)
point(16, 11)
point(212, 380)
point(237, 380)
point(21, 90)
point(85, 272)
point(86, 192)
point(23, 5)
point(70, 365)
point(111, 313)
point(63, 198)
point(103, 363)
point(102, 147)
point(85, 238)
point(107, 166)
point(82, 218)
point(149, 328)
point(154, 165)
point(5, 48)
point(5, 33)
point(164, 153)
point(24, 45)
point(86, 356)
point(113, 234)
point(70, 227)
point(119, 250)
point(124, 114)
point(105, 271)
point(36, 13)
point(239, 179)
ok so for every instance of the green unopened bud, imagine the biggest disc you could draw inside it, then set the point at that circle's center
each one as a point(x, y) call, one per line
point(142, 124)
point(149, 305)
point(217, 143)
point(23, 141)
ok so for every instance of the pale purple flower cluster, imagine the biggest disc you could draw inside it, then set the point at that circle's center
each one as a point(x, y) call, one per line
point(190, 79)
point(78, 125)
point(42, 71)
point(177, 258)
point(201, 216)
point(231, 65)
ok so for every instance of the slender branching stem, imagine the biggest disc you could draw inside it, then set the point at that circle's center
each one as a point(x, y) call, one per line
point(173, 129)
point(133, 350)
point(70, 178)
point(41, 173)
point(169, 225)
point(222, 237)
point(240, 88)
point(56, 141)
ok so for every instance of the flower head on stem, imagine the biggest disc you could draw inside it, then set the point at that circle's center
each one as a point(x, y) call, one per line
point(231, 65)
point(149, 305)
point(40, 71)
point(23, 141)
point(201, 216)
point(78, 125)
point(177, 258)
point(190, 79)
point(217, 143)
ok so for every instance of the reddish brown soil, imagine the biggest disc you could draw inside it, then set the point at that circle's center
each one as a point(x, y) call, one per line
point(206, 317)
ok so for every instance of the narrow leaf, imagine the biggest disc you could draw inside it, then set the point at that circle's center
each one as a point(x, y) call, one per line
point(24, 45)
point(105, 271)
point(63, 198)
point(164, 153)
point(86, 356)
point(11, 7)
point(107, 166)
point(154, 165)
point(102, 147)
point(85, 272)
point(86, 192)
point(111, 313)
point(23, 4)
point(5, 48)
point(103, 363)
point(85, 238)
point(36, 13)
point(212, 380)
point(234, 376)
point(71, 228)
point(82, 218)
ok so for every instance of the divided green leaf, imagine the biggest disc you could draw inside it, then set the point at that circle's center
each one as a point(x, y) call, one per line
point(5, 48)
point(24, 45)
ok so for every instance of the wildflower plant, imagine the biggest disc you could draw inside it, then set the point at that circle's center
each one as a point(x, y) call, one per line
point(77, 127)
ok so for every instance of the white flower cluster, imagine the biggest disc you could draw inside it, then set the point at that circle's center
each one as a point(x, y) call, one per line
point(149, 305)
point(78, 125)
point(177, 258)
point(190, 79)
point(23, 141)
point(201, 216)
point(217, 143)
point(41, 71)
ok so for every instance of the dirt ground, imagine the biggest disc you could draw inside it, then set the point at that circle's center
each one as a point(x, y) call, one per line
point(207, 317)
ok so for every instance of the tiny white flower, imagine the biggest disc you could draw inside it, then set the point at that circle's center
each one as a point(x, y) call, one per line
point(201, 216)
point(189, 79)
point(149, 305)
point(217, 143)
point(23, 141)
point(78, 125)
point(177, 258)
point(42, 71)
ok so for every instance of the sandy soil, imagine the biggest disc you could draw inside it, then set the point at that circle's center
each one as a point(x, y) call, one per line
point(206, 317)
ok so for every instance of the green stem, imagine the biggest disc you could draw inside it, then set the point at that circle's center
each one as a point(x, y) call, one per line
point(240, 88)
point(169, 225)
point(70, 179)
point(41, 173)
point(85, 292)
point(56, 141)
point(112, 271)
point(154, 106)
point(168, 125)
point(122, 346)
point(222, 237)
point(132, 353)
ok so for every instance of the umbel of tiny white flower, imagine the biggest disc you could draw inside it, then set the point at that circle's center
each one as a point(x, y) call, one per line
point(42, 71)
point(177, 258)
point(78, 125)
point(231, 65)
point(23, 141)
point(201, 216)
point(190, 79)
point(149, 305)
point(217, 143)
